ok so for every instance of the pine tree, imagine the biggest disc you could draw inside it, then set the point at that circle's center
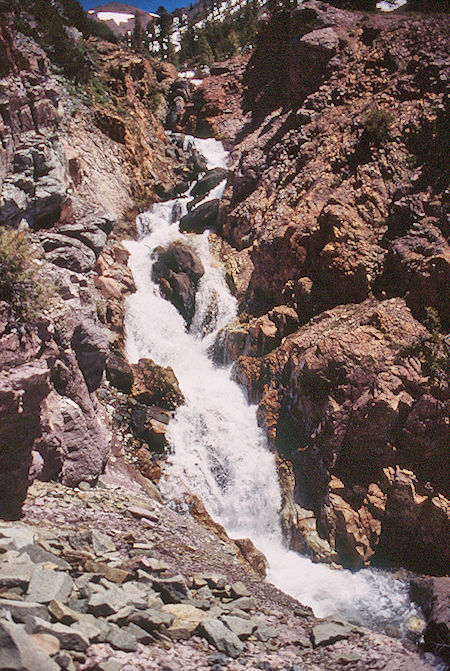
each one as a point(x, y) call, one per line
point(205, 53)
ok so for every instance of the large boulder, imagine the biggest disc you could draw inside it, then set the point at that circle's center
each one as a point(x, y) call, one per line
point(209, 181)
point(155, 385)
point(22, 392)
point(347, 401)
point(202, 217)
point(91, 348)
point(433, 596)
point(178, 271)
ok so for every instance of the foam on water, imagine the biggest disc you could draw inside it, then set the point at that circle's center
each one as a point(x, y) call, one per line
point(218, 451)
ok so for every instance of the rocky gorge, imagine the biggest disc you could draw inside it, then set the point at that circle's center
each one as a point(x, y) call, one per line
point(332, 233)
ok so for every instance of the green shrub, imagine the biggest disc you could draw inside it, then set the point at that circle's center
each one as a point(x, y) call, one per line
point(19, 285)
point(377, 125)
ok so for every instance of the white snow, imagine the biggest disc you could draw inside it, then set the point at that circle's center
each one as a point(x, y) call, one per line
point(117, 17)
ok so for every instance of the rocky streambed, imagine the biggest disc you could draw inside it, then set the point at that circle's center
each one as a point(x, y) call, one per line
point(108, 578)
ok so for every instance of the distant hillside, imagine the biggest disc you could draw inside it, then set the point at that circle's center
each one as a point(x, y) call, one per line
point(121, 17)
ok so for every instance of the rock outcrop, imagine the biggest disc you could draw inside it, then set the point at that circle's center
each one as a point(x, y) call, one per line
point(178, 271)
point(336, 197)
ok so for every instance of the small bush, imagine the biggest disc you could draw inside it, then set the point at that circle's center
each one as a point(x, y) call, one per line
point(19, 285)
point(377, 125)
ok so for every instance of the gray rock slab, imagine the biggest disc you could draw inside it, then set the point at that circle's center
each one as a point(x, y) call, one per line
point(16, 575)
point(121, 639)
point(18, 651)
point(140, 634)
point(69, 638)
point(238, 590)
point(244, 603)
point(265, 633)
point(151, 619)
point(40, 556)
point(108, 602)
point(21, 610)
point(48, 585)
point(19, 536)
point(327, 633)
point(242, 628)
point(172, 590)
point(221, 637)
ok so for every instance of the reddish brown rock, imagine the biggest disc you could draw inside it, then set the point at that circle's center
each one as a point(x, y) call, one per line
point(156, 385)
point(336, 398)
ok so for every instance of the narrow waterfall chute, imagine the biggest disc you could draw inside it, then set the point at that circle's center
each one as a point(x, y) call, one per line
point(218, 450)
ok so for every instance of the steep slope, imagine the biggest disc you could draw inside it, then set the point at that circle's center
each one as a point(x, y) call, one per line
point(338, 201)
point(76, 160)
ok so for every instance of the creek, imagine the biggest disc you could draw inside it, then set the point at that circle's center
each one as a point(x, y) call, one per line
point(218, 451)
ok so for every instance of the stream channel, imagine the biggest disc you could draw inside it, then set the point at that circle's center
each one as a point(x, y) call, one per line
point(217, 449)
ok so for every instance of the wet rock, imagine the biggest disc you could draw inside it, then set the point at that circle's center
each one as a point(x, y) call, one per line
point(202, 217)
point(433, 596)
point(18, 651)
point(209, 181)
point(178, 271)
point(156, 385)
point(221, 637)
point(252, 555)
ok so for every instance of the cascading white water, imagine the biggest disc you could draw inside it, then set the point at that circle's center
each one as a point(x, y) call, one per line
point(218, 451)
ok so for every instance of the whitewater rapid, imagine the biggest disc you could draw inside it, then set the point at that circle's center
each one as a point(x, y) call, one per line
point(217, 450)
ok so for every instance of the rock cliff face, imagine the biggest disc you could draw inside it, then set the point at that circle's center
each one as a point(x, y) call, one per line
point(74, 165)
point(338, 198)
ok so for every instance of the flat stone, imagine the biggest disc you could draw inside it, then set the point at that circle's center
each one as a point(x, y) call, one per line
point(152, 619)
point(244, 603)
point(345, 658)
point(111, 573)
point(238, 590)
point(40, 556)
point(48, 585)
point(18, 651)
point(140, 634)
point(242, 628)
point(20, 610)
point(107, 602)
point(265, 633)
point(62, 613)
point(154, 565)
point(16, 575)
point(140, 513)
point(69, 638)
point(172, 590)
point(221, 637)
point(47, 643)
point(18, 535)
point(187, 619)
point(327, 633)
point(109, 665)
point(121, 639)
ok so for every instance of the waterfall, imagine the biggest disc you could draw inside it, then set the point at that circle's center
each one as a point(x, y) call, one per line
point(217, 449)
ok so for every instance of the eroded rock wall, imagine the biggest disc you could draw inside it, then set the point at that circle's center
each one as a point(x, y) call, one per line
point(338, 196)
